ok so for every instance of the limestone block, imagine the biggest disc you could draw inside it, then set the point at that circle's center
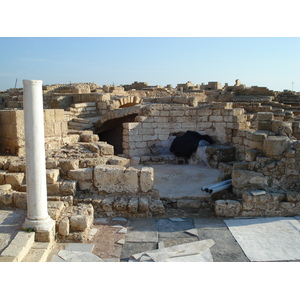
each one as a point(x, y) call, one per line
point(20, 200)
point(146, 179)
point(55, 209)
point(131, 126)
point(243, 179)
point(275, 145)
point(157, 207)
point(14, 179)
point(52, 175)
point(2, 176)
point(118, 160)
point(282, 128)
point(53, 189)
point(264, 125)
point(17, 166)
point(143, 204)
point(109, 178)
point(92, 162)
point(64, 226)
point(292, 196)
point(107, 204)
point(227, 208)
point(49, 115)
point(251, 154)
point(265, 116)
point(67, 188)
point(120, 204)
point(82, 174)
point(68, 164)
point(256, 145)
point(258, 136)
point(6, 198)
point(131, 183)
point(59, 115)
point(89, 138)
point(133, 205)
point(78, 223)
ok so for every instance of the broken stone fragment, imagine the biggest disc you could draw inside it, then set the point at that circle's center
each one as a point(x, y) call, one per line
point(64, 226)
point(78, 223)
point(147, 179)
point(133, 205)
point(227, 208)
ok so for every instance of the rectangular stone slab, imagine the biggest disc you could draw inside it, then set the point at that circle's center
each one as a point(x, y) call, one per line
point(267, 239)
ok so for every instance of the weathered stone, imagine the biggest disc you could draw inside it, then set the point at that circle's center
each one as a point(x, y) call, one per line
point(83, 174)
point(227, 208)
point(293, 196)
point(274, 146)
point(64, 226)
point(14, 179)
point(53, 189)
point(20, 200)
point(282, 128)
point(265, 116)
point(157, 207)
point(147, 179)
point(52, 175)
point(243, 179)
point(6, 198)
point(89, 138)
point(120, 204)
point(78, 223)
point(68, 164)
point(131, 180)
point(108, 178)
point(133, 205)
point(251, 154)
point(143, 204)
point(67, 187)
point(107, 204)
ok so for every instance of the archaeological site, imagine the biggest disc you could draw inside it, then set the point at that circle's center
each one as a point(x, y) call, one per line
point(143, 151)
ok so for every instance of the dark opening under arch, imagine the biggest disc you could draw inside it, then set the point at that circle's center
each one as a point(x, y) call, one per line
point(112, 132)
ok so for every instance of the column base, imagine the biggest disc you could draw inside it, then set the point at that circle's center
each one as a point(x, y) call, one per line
point(38, 225)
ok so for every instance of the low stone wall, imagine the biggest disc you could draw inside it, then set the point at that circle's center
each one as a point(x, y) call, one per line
point(12, 130)
point(278, 203)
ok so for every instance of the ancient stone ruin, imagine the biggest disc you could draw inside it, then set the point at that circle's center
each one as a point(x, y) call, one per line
point(101, 141)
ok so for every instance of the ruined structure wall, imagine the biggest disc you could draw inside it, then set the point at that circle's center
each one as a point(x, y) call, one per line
point(12, 130)
point(217, 120)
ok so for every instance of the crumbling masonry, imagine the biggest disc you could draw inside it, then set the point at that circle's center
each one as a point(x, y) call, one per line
point(98, 141)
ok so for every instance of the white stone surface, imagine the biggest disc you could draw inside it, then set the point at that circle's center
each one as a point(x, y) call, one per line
point(189, 252)
point(78, 256)
point(267, 239)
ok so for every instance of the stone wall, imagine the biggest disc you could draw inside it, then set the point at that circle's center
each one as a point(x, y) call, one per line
point(12, 130)
point(218, 120)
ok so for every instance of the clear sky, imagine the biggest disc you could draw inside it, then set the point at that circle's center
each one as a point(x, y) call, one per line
point(271, 62)
point(160, 42)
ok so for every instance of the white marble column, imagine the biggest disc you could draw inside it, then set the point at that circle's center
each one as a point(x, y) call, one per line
point(37, 212)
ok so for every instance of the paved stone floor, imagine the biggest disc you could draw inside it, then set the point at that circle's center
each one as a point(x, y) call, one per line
point(157, 239)
point(10, 224)
point(174, 239)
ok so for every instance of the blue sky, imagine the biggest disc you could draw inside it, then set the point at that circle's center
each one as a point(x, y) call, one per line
point(271, 62)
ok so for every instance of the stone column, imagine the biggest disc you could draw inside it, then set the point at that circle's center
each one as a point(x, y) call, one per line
point(37, 212)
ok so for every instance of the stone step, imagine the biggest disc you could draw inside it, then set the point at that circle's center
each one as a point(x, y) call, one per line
point(78, 125)
point(39, 252)
point(19, 247)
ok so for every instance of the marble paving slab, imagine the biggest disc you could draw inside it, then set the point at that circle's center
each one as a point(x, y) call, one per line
point(190, 252)
point(267, 239)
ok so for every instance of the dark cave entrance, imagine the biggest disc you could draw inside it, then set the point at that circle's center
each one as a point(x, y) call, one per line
point(112, 132)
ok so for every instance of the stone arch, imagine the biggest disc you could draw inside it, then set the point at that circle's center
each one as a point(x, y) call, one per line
point(129, 101)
